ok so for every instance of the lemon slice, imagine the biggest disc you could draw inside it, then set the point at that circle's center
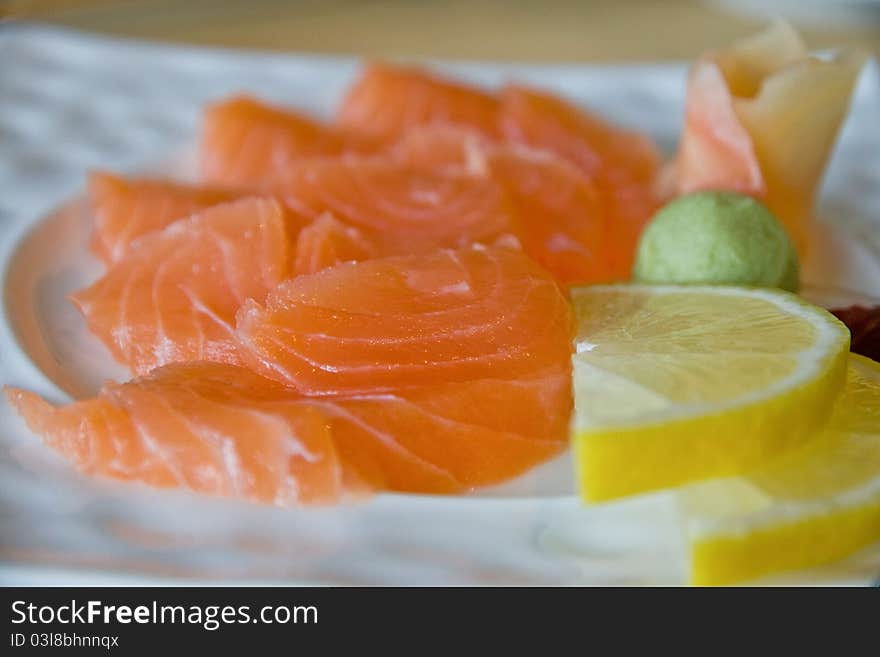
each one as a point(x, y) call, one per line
point(675, 384)
point(814, 506)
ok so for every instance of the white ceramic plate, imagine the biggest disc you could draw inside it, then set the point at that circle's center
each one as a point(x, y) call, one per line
point(70, 102)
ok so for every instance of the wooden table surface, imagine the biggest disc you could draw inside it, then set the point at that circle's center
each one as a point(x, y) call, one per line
point(552, 30)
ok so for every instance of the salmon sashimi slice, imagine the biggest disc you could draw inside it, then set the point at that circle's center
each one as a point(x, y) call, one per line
point(562, 220)
point(548, 122)
point(393, 323)
point(447, 149)
point(453, 438)
point(246, 142)
point(624, 165)
point(124, 209)
point(761, 118)
point(208, 427)
point(174, 296)
point(401, 209)
point(561, 214)
point(442, 372)
point(326, 242)
point(426, 374)
point(223, 430)
point(357, 209)
point(388, 100)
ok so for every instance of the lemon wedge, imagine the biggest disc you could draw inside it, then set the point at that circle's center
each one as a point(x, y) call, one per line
point(816, 505)
point(676, 384)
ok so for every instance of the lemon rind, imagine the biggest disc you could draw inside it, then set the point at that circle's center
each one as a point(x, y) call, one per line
point(746, 432)
point(741, 440)
point(788, 535)
point(805, 543)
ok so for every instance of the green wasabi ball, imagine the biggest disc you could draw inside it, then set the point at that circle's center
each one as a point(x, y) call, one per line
point(717, 238)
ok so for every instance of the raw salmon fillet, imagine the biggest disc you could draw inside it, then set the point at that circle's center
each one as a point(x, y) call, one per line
point(545, 121)
point(246, 143)
point(398, 322)
point(326, 241)
point(428, 374)
point(453, 437)
point(442, 372)
point(624, 165)
point(123, 209)
point(561, 218)
point(388, 100)
point(400, 209)
point(357, 208)
point(207, 427)
point(174, 296)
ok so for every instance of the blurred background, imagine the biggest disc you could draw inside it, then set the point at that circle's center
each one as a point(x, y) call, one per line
point(548, 30)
